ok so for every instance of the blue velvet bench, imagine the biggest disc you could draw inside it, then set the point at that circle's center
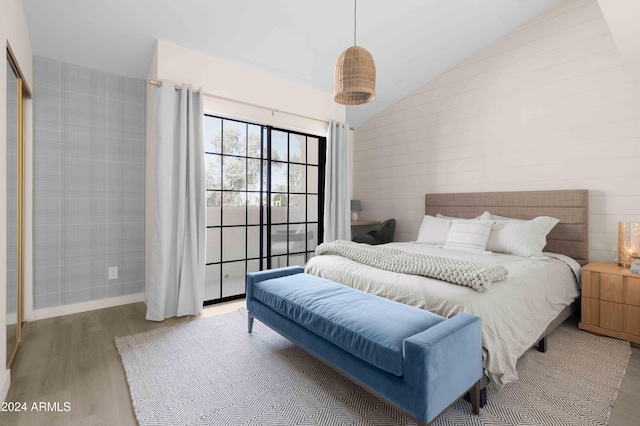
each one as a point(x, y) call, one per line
point(416, 360)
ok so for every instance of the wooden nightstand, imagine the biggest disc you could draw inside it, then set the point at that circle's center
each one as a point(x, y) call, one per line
point(611, 301)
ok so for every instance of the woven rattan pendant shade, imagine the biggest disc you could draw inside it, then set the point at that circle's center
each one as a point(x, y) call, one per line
point(355, 77)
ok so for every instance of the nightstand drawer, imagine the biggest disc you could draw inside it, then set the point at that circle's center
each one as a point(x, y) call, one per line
point(633, 291)
point(591, 284)
point(631, 320)
point(618, 317)
point(611, 315)
point(590, 311)
point(611, 287)
point(614, 288)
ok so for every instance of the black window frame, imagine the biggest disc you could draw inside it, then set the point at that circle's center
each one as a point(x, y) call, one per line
point(265, 223)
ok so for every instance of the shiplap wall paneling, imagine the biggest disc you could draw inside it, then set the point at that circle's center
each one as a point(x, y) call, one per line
point(552, 105)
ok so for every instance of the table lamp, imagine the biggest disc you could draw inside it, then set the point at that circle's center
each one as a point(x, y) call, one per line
point(628, 242)
point(356, 207)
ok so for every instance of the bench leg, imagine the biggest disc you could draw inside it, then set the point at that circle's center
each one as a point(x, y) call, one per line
point(474, 395)
point(249, 321)
point(481, 395)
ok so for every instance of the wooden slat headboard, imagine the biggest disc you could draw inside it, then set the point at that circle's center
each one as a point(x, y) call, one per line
point(569, 237)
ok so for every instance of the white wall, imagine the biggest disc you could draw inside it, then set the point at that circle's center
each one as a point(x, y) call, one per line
point(13, 31)
point(231, 80)
point(550, 106)
point(623, 18)
point(239, 83)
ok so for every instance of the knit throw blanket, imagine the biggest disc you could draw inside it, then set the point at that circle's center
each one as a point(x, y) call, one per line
point(476, 275)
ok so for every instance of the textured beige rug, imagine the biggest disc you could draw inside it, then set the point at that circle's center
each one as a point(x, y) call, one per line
point(212, 372)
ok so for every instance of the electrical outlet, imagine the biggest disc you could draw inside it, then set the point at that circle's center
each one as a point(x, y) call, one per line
point(113, 273)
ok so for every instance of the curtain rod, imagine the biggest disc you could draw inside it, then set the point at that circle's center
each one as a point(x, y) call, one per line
point(273, 110)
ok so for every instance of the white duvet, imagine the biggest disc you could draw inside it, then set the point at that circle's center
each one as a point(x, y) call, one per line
point(514, 312)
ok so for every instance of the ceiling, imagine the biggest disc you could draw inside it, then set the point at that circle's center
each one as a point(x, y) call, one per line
point(412, 41)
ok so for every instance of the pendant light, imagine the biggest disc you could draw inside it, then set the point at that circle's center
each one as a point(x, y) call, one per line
point(355, 74)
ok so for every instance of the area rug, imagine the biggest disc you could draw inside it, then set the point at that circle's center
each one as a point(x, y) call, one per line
point(212, 372)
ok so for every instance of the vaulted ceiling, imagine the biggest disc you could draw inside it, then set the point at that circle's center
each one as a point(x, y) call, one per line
point(412, 41)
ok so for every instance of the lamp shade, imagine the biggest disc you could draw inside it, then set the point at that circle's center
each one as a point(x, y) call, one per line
point(628, 243)
point(355, 77)
point(356, 206)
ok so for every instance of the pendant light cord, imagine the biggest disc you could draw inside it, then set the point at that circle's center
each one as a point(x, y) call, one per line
point(355, 22)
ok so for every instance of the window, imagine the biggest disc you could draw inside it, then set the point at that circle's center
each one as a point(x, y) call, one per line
point(264, 201)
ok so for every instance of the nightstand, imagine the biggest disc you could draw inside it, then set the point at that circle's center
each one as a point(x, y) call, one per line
point(611, 301)
point(363, 226)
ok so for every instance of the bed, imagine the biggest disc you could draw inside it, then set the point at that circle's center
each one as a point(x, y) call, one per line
point(517, 313)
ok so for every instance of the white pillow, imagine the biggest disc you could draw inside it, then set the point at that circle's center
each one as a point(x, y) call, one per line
point(521, 237)
point(498, 217)
point(485, 216)
point(434, 230)
point(469, 235)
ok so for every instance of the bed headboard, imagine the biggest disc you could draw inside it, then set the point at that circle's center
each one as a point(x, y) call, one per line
point(568, 237)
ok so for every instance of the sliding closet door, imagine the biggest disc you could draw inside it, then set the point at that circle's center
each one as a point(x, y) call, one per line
point(248, 219)
point(16, 91)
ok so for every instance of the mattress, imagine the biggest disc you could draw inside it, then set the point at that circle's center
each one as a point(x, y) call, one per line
point(514, 312)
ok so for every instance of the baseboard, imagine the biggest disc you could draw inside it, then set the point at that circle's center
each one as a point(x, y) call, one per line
point(58, 311)
point(5, 382)
point(12, 318)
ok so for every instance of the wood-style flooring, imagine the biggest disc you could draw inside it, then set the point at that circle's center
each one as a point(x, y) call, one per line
point(73, 359)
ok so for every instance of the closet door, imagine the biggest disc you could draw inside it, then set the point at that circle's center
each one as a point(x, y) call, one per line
point(16, 91)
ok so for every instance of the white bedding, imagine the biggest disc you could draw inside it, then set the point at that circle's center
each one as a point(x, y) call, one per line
point(514, 312)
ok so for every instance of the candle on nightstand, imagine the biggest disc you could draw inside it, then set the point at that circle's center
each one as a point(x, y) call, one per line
point(628, 242)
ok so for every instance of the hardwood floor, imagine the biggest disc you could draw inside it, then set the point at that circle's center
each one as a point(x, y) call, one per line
point(626, 410)
point(73, 359)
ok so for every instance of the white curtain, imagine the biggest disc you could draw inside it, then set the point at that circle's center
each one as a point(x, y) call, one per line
point(176, 285)
point(337, 202)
